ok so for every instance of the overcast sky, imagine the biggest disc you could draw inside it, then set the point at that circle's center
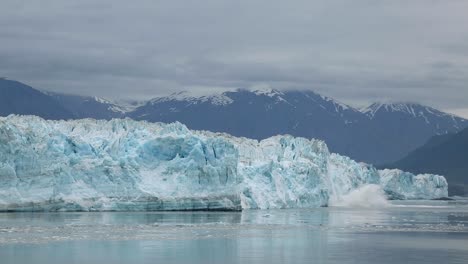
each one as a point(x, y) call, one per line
point(356, 51)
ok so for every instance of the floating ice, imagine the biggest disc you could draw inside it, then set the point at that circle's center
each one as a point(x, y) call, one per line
point(129, 165)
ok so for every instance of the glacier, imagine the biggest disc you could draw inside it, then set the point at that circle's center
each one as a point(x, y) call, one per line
point(126, 165)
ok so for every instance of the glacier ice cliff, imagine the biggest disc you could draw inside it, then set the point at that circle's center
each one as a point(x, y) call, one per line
point(131, 165)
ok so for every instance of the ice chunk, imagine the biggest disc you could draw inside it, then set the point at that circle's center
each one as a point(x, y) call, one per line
point(404, 185)
point(129, 165)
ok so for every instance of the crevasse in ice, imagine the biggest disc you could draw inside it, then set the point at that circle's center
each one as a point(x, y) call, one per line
point(129, 165)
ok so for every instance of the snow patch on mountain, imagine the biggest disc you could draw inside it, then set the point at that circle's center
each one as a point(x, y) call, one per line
point(190, 98)
point(412, 109)
point(268, 92)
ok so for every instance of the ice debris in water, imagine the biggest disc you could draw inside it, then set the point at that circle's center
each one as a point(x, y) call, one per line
point(129, 165)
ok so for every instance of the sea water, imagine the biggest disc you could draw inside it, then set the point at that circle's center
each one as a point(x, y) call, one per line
point(396, 232)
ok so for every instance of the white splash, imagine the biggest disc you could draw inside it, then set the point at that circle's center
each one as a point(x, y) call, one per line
point(368, 196)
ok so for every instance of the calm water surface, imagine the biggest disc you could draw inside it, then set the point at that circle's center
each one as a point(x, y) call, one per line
point(406, 232)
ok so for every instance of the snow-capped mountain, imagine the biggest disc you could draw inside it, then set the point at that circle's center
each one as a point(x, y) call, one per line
point(190, 99)
point(378, 134)
point(262, 112)
point(259, 114)
point(403, 127)
point(429, 115)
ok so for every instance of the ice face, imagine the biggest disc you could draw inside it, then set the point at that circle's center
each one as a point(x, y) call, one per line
point(128, 165)
point(404, 185)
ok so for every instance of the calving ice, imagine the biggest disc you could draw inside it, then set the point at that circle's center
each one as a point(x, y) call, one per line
point(134, 165)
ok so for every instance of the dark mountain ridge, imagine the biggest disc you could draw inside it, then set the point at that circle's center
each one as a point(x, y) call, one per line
point(445, 155)
point(21, 99)
point(378, 134)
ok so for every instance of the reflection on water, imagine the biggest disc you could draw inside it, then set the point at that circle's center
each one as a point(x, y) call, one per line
point(422, 232)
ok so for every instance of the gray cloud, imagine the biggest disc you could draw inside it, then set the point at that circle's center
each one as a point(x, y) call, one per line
point(357, 51)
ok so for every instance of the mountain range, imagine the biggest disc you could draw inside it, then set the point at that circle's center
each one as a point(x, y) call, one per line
point(379, 134)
